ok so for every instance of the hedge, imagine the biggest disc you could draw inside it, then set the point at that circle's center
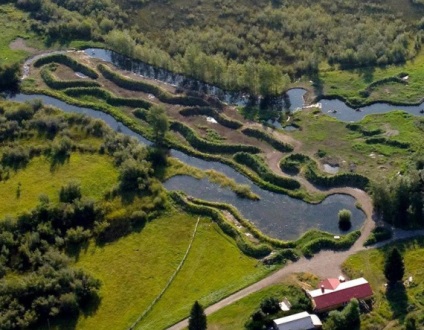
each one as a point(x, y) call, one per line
point(140, 114)
point(280, 257)
point(397, 79)
point(359, 128)
point(292, 163)
point(55, 83)
point(137, 85)
point(378, 234)
point(280, 146)
point(393, 143)
point(108, 97)
point(339, 180)
point(68, 61)
point(260, 168)
point(206, 146)
point(211, 112)
point(326, 243)
point(256, 251)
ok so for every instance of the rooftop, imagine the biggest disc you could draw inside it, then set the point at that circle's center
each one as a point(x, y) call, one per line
point(299, 321)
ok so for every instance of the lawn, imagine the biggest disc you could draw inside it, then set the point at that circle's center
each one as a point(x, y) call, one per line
point(94, 172)
point(391, 307)
point(214, 268)
point(134, 269)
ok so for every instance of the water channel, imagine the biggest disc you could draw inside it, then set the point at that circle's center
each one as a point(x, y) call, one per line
point(277, 215)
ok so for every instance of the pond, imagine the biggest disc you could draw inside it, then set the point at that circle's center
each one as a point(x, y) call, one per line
point(277, 215)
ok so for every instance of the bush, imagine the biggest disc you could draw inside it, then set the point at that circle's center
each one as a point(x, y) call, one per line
point(345, 219)
point(70, 192)
point(68, 61)
point(278, 145)
point(378, 234)
point(292, 163)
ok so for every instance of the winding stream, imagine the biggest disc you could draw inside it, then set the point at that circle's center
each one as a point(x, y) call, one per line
point(277, 215)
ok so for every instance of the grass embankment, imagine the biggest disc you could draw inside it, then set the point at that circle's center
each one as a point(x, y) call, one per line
point(391, 306)
point(349, 84)
point(134, 270)
point(333, 142)
point(95, 173)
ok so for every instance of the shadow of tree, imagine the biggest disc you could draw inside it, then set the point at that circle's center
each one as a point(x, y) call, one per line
point(398, 300)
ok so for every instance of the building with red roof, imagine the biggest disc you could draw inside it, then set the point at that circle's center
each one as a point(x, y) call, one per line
point(334, 293)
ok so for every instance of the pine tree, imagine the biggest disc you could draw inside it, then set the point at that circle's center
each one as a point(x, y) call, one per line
point(394, 268)
point(197, 319)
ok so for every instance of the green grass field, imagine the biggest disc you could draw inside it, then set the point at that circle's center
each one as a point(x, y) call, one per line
point(134, 269)
point(391, 307)
point(344, 146)
point(13, 24)
point(95, 173)
point(348, 83)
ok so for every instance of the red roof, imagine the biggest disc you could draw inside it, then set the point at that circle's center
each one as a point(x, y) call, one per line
point(341, 294)
point(330, 283)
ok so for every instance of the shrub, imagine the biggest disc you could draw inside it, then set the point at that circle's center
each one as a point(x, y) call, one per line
point(378, 234)
point(345, 219)
point(326, 243)
point(70, 192)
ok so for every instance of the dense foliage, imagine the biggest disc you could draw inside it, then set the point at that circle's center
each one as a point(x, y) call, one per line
point(37, 280)
point(253, 46)
point(400, 201)
point(394, 268)
point(348, 318)
point(269, 309)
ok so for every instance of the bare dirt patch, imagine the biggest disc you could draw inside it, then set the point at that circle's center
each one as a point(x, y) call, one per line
point(20, 44)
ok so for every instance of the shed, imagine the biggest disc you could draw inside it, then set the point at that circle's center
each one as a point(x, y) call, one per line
point(299, 321)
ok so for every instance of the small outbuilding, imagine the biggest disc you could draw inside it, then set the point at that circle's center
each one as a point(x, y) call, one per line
point(299, 321)
point(334, 293)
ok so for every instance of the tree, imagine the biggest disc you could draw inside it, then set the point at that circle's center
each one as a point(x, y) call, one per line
point(159, 123)
point(344, 219)
point(197, 319)
point(348, 318)
point(394, 268)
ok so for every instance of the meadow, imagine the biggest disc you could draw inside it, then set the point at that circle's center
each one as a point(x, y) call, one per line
point(134, 270)
point(391, 306)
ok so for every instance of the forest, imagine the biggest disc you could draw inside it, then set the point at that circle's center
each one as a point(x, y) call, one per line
point(255, 47)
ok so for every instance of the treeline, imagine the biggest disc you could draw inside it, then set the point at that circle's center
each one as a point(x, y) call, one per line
point(138, 85)
point(209, 147)
point(258, 166)
point(400, 200)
